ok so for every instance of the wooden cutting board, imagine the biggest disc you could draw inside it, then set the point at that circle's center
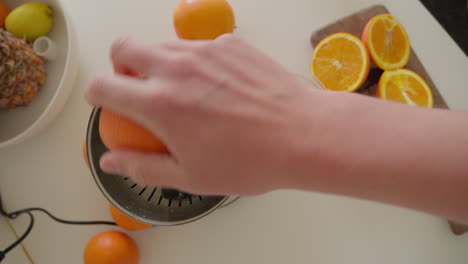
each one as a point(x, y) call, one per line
point(354, 24)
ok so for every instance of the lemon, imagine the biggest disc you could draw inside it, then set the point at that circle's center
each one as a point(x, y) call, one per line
point(30, 21)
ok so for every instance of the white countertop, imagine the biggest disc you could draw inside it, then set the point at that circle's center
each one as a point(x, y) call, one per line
point(281, 227)
point(7, 238)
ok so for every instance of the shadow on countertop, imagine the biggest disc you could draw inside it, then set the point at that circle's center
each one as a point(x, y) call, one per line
point(453, 16)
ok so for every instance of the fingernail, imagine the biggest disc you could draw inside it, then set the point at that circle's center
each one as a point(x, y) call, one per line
point(109, 165)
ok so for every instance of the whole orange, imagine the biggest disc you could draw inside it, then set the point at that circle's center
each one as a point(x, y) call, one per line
point(111, 247)
point(126, 222)
point(203, 19)
point(119, 132)
point(4, 11)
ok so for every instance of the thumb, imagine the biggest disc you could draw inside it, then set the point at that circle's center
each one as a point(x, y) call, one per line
point(155, 169)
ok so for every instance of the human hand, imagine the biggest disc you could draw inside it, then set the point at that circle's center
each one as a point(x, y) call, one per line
point(234, 120)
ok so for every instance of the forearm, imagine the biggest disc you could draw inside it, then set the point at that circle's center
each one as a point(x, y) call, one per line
point(393, 153)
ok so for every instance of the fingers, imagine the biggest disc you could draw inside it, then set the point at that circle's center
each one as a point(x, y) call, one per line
point(152, 169)
point(182, 45)
point(133, 57)
point(121, 94)
point(229, 39)
point(138, 59)
point(164, 65)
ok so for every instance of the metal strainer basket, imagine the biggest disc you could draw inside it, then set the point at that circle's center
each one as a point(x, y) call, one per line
point(151, 205)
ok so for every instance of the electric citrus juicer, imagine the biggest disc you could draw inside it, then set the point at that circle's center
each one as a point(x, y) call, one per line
point(148, 204)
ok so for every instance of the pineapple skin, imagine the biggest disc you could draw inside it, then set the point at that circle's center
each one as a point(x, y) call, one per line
point(22, 72)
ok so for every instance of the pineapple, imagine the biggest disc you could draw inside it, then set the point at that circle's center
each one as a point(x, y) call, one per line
point(22, 72)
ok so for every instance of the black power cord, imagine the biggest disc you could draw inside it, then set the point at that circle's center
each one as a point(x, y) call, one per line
point(29, 211)
point(20, 239)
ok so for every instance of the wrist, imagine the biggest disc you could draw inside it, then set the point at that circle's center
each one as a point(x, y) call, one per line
point(328, 148)
point(308, 148)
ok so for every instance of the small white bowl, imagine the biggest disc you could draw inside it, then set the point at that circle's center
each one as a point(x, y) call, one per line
point(19, 124)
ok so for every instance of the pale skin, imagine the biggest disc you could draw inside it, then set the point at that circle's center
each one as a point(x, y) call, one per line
point(236, 122)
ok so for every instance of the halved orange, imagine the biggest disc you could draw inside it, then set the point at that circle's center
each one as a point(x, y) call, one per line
point(387, 42)
point(341, 62)
point(406, 87)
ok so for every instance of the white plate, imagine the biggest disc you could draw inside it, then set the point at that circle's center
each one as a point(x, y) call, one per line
point(22, 123)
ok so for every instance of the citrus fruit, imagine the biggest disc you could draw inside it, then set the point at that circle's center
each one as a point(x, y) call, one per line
point(405, 86)
point(387, 42)
point(203, 19)
point(119, 132)
point(30, 21)
point(85, 152)
point(125, 221)
point(3, 13)
point(111, 247)
point(341, 62)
